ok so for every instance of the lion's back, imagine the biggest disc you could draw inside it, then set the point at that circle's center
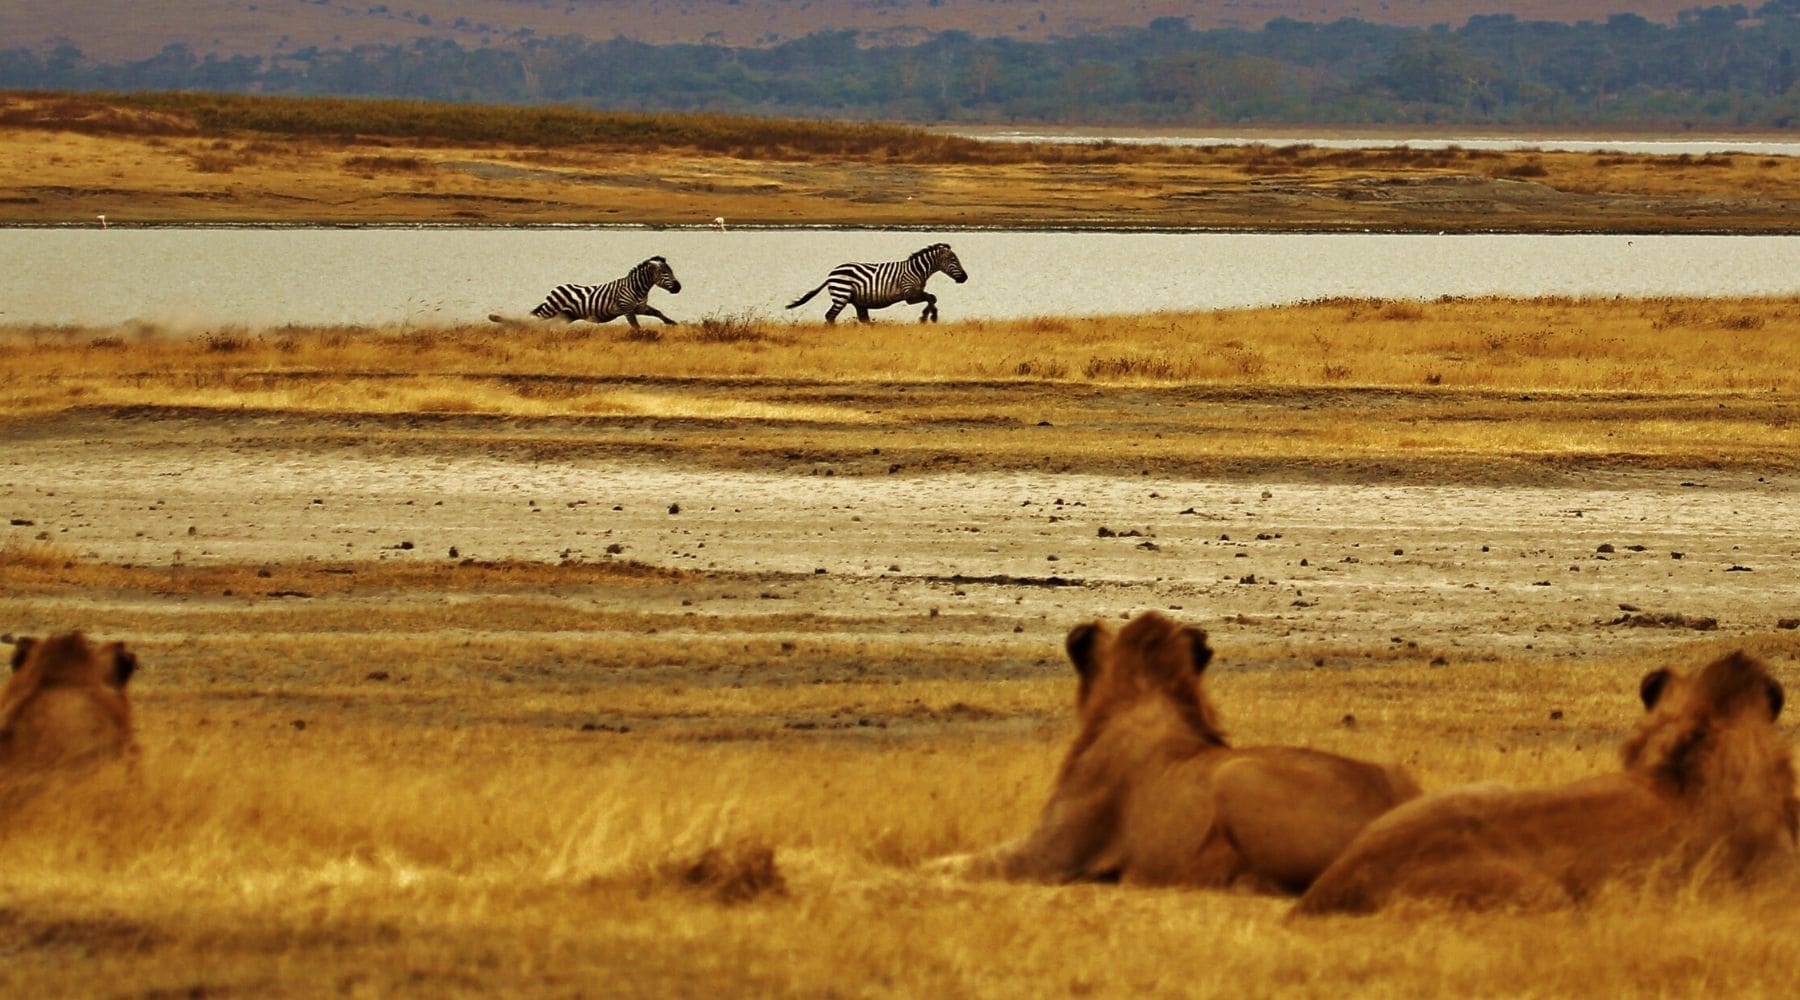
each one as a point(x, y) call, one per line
point(1481, 845)
point(1292, 810)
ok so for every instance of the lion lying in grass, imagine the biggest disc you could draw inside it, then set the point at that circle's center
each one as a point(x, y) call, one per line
point(65, 704)
point(1707, 779)
point(1151, 794)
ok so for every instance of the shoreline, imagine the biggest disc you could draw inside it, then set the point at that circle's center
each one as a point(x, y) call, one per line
point(1376, 133)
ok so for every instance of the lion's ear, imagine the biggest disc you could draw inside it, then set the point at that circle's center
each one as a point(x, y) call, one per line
point(125, 663)
point(21, 649)
point(1080, 645)
point(1650, 689)
point(1199, 653)
point(1777, 698)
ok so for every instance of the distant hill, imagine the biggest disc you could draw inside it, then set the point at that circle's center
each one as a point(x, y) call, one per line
point(112, 30)
point(1722, 66)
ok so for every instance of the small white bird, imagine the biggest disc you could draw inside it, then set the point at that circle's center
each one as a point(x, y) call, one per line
point(719, 223)
point(102, 218)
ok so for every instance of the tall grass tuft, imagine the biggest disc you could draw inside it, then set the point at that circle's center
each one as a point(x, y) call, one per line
point(1147, 367)
point(731, 328)
point(220, 342)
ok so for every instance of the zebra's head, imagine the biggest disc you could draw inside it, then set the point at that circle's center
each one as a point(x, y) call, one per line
point(661, 274)
point(943, 259)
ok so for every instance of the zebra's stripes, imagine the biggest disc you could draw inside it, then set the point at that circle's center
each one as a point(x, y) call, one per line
point(627, 297)
point(877, 286)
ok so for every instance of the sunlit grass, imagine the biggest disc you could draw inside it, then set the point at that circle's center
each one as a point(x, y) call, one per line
point(1551, 344)
point(1654, 380)
point(487, 851)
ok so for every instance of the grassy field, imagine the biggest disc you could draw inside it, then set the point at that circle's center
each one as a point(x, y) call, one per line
point(412, 774)
point(334, 802)
point(1482, 382)
point(152, 158)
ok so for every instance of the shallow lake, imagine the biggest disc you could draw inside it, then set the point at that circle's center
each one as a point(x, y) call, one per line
point(194, 277)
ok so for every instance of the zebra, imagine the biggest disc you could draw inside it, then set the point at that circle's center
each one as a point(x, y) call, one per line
point(627, 297)
point(877, 286)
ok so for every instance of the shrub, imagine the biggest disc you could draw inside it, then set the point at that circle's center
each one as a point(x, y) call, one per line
point(214, 163)
point(1036, 368)
point(1742, 321)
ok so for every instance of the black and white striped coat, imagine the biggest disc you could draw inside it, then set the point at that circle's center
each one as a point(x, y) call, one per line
point(627, 297)
point(877, 286)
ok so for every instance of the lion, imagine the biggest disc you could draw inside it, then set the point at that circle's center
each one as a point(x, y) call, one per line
point(1150, 793)
point(65, 705)
point(1707, 780)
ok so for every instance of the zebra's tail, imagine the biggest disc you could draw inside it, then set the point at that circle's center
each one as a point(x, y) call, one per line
point(802, 299)
point(509, 320)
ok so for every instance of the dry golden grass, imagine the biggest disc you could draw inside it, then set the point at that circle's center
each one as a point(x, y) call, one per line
point(196, 158)
point(483, 847)
point(1551, 344)
point(1658, 381)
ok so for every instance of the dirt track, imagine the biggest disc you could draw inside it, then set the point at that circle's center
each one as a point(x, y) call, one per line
point(1302, 558)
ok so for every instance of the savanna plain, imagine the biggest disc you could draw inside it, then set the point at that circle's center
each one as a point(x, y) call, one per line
point(580, 662)
point(577, 662)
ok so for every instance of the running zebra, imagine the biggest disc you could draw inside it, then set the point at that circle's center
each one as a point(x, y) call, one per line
point(627, 297)
point(877, 286)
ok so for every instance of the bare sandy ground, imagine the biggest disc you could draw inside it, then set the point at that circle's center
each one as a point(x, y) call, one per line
point(1450, 570)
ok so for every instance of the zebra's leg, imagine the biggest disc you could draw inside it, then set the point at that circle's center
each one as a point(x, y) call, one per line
point(653, 311)
point(632, 319)
point(862, 314)
point(930, 300)
point(832, 313)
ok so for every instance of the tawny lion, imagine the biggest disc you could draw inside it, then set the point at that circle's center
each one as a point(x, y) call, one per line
point(1707, 778)
point(65, 704)
point(1151, 794)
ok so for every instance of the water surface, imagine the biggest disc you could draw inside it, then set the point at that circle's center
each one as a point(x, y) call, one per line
point(438, 275)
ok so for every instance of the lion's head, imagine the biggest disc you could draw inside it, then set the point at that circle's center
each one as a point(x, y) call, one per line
point(1151, 660)
point(1709, 738)
point(65, 703)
